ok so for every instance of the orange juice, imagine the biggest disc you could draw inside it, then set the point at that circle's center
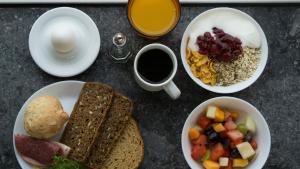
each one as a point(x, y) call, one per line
point(153, 17)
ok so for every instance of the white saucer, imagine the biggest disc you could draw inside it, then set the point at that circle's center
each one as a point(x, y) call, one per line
point(66, 91)
point(87, 48)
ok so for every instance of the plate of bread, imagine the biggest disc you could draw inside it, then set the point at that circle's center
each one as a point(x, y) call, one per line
point(76, 125)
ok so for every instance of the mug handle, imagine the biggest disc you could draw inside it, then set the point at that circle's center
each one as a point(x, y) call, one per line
point(172, 90)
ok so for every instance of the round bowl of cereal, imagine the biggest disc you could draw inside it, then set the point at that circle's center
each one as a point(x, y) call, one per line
point(224, 50)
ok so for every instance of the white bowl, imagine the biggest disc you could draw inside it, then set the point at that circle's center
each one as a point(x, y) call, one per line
point(235, 87)
point(245, 109)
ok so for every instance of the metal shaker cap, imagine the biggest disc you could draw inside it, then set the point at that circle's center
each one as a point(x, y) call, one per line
point(119, 39)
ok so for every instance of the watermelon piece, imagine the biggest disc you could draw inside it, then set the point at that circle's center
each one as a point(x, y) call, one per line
point(235, 135)
point(230, 125)
point(217, 152)
point(204, 122)
point(198, 152)
point(253, 143)
point(238, 141)
point(202, 140)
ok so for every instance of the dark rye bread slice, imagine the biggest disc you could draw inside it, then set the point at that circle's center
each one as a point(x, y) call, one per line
point(117, 119)
point(128, 151)
point(88, 115)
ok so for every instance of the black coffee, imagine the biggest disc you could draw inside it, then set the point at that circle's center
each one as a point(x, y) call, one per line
point(155, 66)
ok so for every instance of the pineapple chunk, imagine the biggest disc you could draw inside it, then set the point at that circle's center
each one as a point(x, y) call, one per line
point(211, 112)
point(208, 164)
point(219, 115)
point(245, 150)
point(240, 162)
point(193, 133)
point(250, 124)
point(218, 127)
point(234, 115)
point(223, 161)
point(198, 128)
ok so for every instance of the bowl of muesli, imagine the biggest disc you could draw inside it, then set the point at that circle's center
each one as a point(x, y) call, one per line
point(224, 50)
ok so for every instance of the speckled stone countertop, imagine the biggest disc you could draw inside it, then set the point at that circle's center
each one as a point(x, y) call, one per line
point(276, 93)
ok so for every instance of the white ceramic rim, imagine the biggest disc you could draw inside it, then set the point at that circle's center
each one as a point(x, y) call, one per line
point(233, 88)
point(165, 49)
point(18, 157)
point(185, 127)
point(93, 27)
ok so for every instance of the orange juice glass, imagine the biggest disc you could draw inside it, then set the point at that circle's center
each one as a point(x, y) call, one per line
point(153, 18)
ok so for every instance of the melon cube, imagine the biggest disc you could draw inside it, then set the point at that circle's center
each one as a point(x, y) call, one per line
point(245, 150)
point(250, 124)
point(223, 161)
point(211, 112)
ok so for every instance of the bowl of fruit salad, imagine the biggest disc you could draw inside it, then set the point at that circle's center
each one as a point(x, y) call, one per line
point(225, 133)
point(224, 50)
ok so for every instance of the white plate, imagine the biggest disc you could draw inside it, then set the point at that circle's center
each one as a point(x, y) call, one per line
point(238, 86)
point(87, 47)
point(66, 91)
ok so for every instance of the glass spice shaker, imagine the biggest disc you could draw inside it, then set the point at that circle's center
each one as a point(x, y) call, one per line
point(120, 50)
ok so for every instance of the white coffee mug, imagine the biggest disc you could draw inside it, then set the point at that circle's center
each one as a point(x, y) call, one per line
point(168, 85)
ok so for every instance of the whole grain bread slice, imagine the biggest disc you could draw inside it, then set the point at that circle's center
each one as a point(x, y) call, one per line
point(88, 115)
point(115, 122)
point(128, 151)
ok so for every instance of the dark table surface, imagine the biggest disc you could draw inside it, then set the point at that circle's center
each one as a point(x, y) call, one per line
point(276, 93)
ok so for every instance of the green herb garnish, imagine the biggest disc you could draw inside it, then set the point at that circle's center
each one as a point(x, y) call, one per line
point(60, 162)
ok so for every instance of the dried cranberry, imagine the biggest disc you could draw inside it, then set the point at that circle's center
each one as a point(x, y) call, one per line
point(221, 46)
point(207, 35)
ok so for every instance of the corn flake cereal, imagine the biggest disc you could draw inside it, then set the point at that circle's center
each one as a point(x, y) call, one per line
point(202, 67)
